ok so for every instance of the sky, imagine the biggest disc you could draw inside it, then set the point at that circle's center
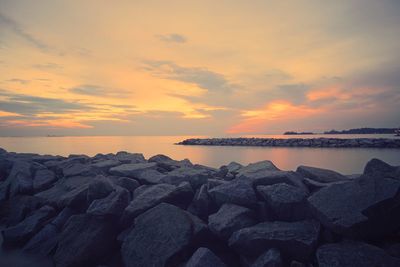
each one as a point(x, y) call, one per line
point(217, 68)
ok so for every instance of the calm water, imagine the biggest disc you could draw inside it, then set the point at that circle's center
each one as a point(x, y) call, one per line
point(345, 160)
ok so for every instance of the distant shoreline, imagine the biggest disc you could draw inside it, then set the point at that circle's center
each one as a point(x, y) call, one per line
point(297, 142)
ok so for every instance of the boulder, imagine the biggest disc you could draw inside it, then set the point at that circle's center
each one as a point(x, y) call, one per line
point(100, 187)
point(379, 168)
point(165, 243)
point(203, 257)
point(295, 240)
point(270, 258)
point(195, 176)
point(352, 254)
point(24, 230)
point(320, 175)
point(229, 219)
point(150, 177)
point(166, 164)
point(257, 167)
point(314, 186)
point(105, 165)
point(79, 169)
point(132, 169)
point(17, 208)
point(43, 180)
point(201, 203)
point(285, 202)
point(127, 183)
point(126, 157)
point(86, 240)
point(238, 191)
point(367, 207)
point(211, 183)
point(234, 167)
point(20, 178)
point(113, 205)
point(5, 168)
point(44, 242)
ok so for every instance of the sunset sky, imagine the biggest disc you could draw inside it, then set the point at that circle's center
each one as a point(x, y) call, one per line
point(100, 67)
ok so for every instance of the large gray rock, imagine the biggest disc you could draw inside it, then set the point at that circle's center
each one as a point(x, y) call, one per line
point(5, 168)
point(195, 176)
point(86, 240)
point(238, 191)
point(285, 202)
point(165, 163)
point(234, 167)
point(43, 180)
point(20, 178)
point(113, 205)
point(367, 207)
point(270, 258)
point(320, 175)
point(201, 203)
point(354, 254)
point(24, 230)
point(230, 218)
point(379, 168)
point(44, 242)
point(150, 177)
point(99, 188)
point(165, 243)
point(17, 208)
point(127, 183)
point(105, 165)
point(126, 157)
point(257, 167)
point(203, 257)
point(132, 169)
point(296, 240)
point(79, 169)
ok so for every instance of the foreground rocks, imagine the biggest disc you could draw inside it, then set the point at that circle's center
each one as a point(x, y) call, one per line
point(296, 142)
point(123, 210)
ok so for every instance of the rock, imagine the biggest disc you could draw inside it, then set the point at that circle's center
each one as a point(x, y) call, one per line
point(367, 207)
point(62, 218)
point(201, 203)
point(257, 167)
point(113, 205)
point(238, 191)
point(165, 243)
point(99, 188)
point(182, 196)
point(285, 202)
point(43, 180)
point(320, 175)
point(314, 186)
point(44, 242)
point(352, 254)
point(105, 165)
point(379, 168)
point(126, 157)
point(196, 177)
point(5, 168)
point(211, 183)
point(203, 257)
point(132, 169)
point(20, 179)
point(24, 230)
point(230, 218)
point(17, 208)
point(79, 169)
point(296, 240)
point(85, 241)
point(234, 167)
point(270, 258)
point(150, 177)
point(394, 250)
point(127, 183)
point(146, 200)
point(165, 163)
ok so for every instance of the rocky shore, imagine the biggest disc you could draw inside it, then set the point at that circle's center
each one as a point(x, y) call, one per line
point(296, 142)
point(124, 210)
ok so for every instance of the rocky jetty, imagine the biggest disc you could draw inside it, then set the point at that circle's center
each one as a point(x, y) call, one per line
point(295, 142)
point(124, 210)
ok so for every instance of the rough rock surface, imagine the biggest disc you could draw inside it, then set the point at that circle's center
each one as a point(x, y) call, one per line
point(113, 205)
point(270, 258)
point(238, 191)
point(196, 177)
point(131, 169)
point(203, 257)
point(320, 175)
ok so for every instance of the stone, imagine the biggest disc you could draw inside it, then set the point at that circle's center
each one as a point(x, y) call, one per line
point(165, 243)
point(79, 169)
point(127, 183)
point(320, 175)
point(105, 165)
point(257, 167)
point(379, 168)
point(203, 257)
point(43, 180)
point(113, 205)
point(229, 219)
point(20, 178)
point(5, 168)
point(234, 167)
point(17, 208)
point(126, 157)
point(201, 203)
point(352, 254)
point(167, 164)
point(297, 240)
point(367, 207)
point(24, 230)
point(314, 186)
point(211, 183)
point(132, 169)
point(238, 191)
point(85, 240)
point(285, 202)
point(100, 187)
point(270, 258)
point(150, 177)
point(196, 177)
point(44, 242)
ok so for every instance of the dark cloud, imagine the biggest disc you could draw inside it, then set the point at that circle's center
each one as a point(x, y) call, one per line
point(276, 74)
point(28, 105)
point(201, 77)
point(11, 25)
point(95, 90)
point(172, 38)
point(16, 80)
point(47, 66)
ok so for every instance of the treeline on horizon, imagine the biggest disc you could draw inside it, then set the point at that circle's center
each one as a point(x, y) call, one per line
point(351, 131)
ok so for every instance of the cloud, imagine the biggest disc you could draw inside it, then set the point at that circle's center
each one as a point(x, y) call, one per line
point(95, 90)
point(17, 29)
point(172, 38)
point(16, 80)
point(201, 77)
point(276, 74)
point(47, 66)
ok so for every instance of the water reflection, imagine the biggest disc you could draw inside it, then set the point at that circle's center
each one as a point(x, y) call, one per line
point(345, 160)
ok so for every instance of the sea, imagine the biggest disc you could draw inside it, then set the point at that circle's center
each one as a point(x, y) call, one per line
point(343, 160)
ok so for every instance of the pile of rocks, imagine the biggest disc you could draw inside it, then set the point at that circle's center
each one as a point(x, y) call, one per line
point(123, 210)
point(296, 142)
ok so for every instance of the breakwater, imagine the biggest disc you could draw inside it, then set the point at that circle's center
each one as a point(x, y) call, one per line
point(125, 210)
point(296, 142)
